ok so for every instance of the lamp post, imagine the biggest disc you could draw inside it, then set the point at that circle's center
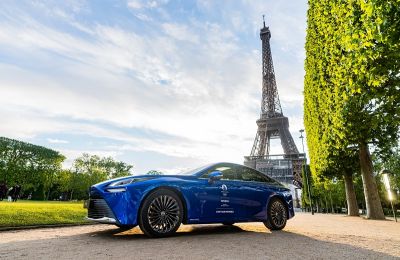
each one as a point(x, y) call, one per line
point(306, 172)
point(386, 181)
point(334, 181)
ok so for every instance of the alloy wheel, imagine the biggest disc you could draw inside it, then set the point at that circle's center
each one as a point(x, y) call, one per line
point(163, 214)
point(278, 213)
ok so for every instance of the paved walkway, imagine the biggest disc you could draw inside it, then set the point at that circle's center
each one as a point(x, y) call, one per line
point(305, 237)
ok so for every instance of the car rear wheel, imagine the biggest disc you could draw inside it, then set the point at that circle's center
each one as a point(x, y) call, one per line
point(276, 215)
point(161, 213)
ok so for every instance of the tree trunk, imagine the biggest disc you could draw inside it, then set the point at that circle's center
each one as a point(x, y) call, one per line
point(48, 194)
point(296, 200)
point(372, 200)
point(326, 204)
point(352, 206)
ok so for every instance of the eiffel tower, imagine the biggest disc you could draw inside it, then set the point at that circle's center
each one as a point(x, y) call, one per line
point(273, 124)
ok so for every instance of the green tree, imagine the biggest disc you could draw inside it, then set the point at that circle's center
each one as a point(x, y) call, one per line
point(305, 198)
point(352, 91)
point(154, 172)
point(33, 167)
point(115, 168)
point(72, 184)
point(344, 167)
point(329, 195)
point(91, 169)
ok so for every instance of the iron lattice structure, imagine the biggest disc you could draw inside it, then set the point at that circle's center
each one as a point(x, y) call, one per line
point(272, 123)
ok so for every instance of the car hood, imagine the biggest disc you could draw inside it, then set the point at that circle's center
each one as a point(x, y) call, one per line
point(150, 176)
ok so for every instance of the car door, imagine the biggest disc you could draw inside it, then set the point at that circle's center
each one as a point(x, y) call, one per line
point(255, 191)
point(220, 199)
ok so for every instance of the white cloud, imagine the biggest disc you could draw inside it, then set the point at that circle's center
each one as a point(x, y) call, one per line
point(196, 83)
point(143, 17)
point(135, 4)
point(56, 141)
point(141, 4)
point(180, 32)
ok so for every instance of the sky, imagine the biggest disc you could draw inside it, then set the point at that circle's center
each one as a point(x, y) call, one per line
point(164, 85)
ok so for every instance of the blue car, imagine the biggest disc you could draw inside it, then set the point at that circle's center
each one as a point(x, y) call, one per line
point(219, 193)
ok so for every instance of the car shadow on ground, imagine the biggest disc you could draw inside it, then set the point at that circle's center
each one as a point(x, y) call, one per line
point(189, 230)
point(243, 242)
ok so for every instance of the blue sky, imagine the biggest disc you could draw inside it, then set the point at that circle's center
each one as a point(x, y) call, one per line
point(165, 85)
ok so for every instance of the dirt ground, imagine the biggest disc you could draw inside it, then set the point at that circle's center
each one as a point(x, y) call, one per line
point(305, 237)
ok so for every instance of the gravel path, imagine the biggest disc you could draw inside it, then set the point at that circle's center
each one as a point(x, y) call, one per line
point(305, 237)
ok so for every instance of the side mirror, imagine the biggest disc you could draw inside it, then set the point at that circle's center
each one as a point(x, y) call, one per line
point(213, 176)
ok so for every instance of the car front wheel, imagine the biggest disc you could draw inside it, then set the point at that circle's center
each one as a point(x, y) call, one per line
point(276, 215)
point(161, 213)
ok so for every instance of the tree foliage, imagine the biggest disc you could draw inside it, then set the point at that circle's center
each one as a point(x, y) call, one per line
point(91, 169)
point(328, 195)
point(32, 166)
point(307, 181)
point(352, 83)
point(154, 172)
point(39, 170)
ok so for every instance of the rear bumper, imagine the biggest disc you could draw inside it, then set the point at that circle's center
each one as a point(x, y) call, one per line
point(291, 213)
point(290, 207)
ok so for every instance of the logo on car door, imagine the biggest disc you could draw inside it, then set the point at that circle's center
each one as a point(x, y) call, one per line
point(224, 190)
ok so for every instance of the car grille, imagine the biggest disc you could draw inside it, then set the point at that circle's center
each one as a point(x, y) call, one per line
point(98, 208)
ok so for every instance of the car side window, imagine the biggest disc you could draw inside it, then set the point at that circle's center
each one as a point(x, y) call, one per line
point(228, 172)
point(248, 174)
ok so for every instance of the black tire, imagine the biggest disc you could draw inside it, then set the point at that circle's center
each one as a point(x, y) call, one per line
point(276, 215)
point(161, 213)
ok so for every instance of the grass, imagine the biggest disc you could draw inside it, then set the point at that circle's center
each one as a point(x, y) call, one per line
point(31, 213)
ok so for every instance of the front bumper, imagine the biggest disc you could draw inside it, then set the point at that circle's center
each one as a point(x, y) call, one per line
point(99, 211)
point(118, 208)
point(103, 220)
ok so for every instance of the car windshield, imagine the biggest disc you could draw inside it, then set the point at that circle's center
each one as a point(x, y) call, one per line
point(194, 171)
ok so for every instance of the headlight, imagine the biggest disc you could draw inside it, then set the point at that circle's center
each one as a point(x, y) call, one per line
point(128, 181)
point(121, 182)
point(115, 186)
point(115, 190)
